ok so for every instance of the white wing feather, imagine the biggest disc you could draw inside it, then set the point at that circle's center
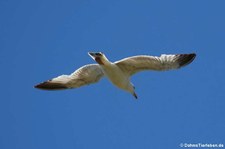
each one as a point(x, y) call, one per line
point(85, 75)
point(132, 65)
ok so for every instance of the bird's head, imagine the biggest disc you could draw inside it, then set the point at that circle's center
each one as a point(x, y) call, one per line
point(99, 57)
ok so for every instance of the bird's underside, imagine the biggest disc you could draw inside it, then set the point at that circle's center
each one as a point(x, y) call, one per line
point(92, 73)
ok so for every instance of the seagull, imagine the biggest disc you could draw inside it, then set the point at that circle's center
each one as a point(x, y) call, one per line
point(118, 72)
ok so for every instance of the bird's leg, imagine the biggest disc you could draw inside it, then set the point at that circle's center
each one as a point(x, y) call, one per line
point(135, 95)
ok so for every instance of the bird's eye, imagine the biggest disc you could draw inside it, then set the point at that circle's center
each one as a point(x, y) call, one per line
point(98, 54)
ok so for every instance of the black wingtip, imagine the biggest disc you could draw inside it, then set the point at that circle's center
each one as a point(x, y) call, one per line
point(185, 59)
point(48, 85)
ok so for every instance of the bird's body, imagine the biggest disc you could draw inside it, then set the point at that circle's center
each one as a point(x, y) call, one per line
point(118, 73)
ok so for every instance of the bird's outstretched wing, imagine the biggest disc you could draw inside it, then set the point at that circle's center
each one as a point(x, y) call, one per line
point(132, 65)
point(85, 75)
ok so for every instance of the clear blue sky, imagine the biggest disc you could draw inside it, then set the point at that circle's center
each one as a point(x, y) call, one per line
point(43, 39)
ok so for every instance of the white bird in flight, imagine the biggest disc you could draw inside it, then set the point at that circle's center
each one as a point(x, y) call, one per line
point(118, 72)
